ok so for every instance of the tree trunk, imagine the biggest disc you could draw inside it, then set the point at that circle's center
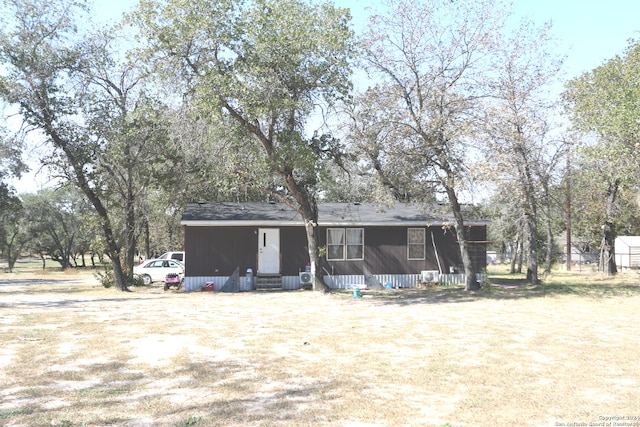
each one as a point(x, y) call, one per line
point(112, 249)
point(11, 258)
point(546, 209)
point(514, 254)
point(316, 270)
point(13, 252)
point(305, 203)
point(471, 282)
point(532, 253)
point(81, 179)
point(67, 255)
point(520, 258)
point(147, 238)
point(550, 246)
point(502, 253)
point(130, 234)
point(309, 211)
point(607, 250)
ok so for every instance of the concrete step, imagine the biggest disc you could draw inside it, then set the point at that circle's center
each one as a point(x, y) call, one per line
point(268, 283)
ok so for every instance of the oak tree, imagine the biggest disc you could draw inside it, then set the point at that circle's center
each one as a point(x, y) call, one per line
point(74, 92)
point(432, 58)
point(522, 145)
point(604, 104)
point(268, 66)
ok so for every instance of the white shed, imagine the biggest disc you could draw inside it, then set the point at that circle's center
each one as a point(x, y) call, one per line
point(628, 251)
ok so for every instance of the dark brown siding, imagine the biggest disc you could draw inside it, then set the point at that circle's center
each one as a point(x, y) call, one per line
point(294, 252)
point(385, 252)
point(448, 249)
point(217, 251)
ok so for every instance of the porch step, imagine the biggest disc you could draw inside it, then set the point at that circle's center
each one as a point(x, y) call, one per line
point(268, 283)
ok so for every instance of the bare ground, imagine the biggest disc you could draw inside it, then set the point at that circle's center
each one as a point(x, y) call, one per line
point(73, 353)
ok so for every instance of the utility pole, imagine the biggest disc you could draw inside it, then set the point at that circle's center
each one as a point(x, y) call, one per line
point(568, 182)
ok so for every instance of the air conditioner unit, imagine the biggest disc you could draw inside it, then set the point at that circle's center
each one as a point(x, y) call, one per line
point(431, 276)
point(306, 278)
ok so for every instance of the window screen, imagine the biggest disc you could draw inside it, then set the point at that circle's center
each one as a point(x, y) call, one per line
point(416, 243)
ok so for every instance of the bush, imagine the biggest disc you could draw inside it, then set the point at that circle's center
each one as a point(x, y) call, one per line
point(106, 277)
point(137, 281)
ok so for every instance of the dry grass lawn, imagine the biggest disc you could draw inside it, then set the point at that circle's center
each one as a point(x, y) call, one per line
point(73, 354)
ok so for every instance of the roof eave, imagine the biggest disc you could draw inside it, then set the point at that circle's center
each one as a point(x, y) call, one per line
point(276, 223)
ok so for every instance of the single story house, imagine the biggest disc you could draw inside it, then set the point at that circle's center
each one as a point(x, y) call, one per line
point(258, 240)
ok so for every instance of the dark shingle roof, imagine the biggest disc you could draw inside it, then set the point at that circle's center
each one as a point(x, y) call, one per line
point(262, 213)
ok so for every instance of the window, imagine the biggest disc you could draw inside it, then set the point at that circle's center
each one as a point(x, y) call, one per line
point(335, 243)
point(345, 243)
point(415, 243)
point(355, 243)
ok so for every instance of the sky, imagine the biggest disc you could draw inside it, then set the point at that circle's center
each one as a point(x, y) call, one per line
point(589, 32)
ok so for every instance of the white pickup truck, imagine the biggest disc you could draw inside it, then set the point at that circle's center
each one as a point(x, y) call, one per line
point(178, 256)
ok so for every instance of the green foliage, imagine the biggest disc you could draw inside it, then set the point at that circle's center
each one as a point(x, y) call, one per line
point(605, 105)
point(606, 100)
point(14, 226)
point(266, 64)
point(108, 130)
point(137, 281)
point(191, 420)
point(9, 413)
point(593, 177)
point(57, 223)
point(11, 163)
point(434, 60)
point(105, 277)
point(10, 204)
point(268, 56)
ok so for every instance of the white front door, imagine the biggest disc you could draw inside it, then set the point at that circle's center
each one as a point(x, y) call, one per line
point(269, 250)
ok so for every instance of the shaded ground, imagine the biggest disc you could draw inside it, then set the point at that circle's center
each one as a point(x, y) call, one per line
point(77, 354)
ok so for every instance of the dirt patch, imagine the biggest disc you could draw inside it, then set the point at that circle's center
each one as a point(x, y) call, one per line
point(90, 356)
